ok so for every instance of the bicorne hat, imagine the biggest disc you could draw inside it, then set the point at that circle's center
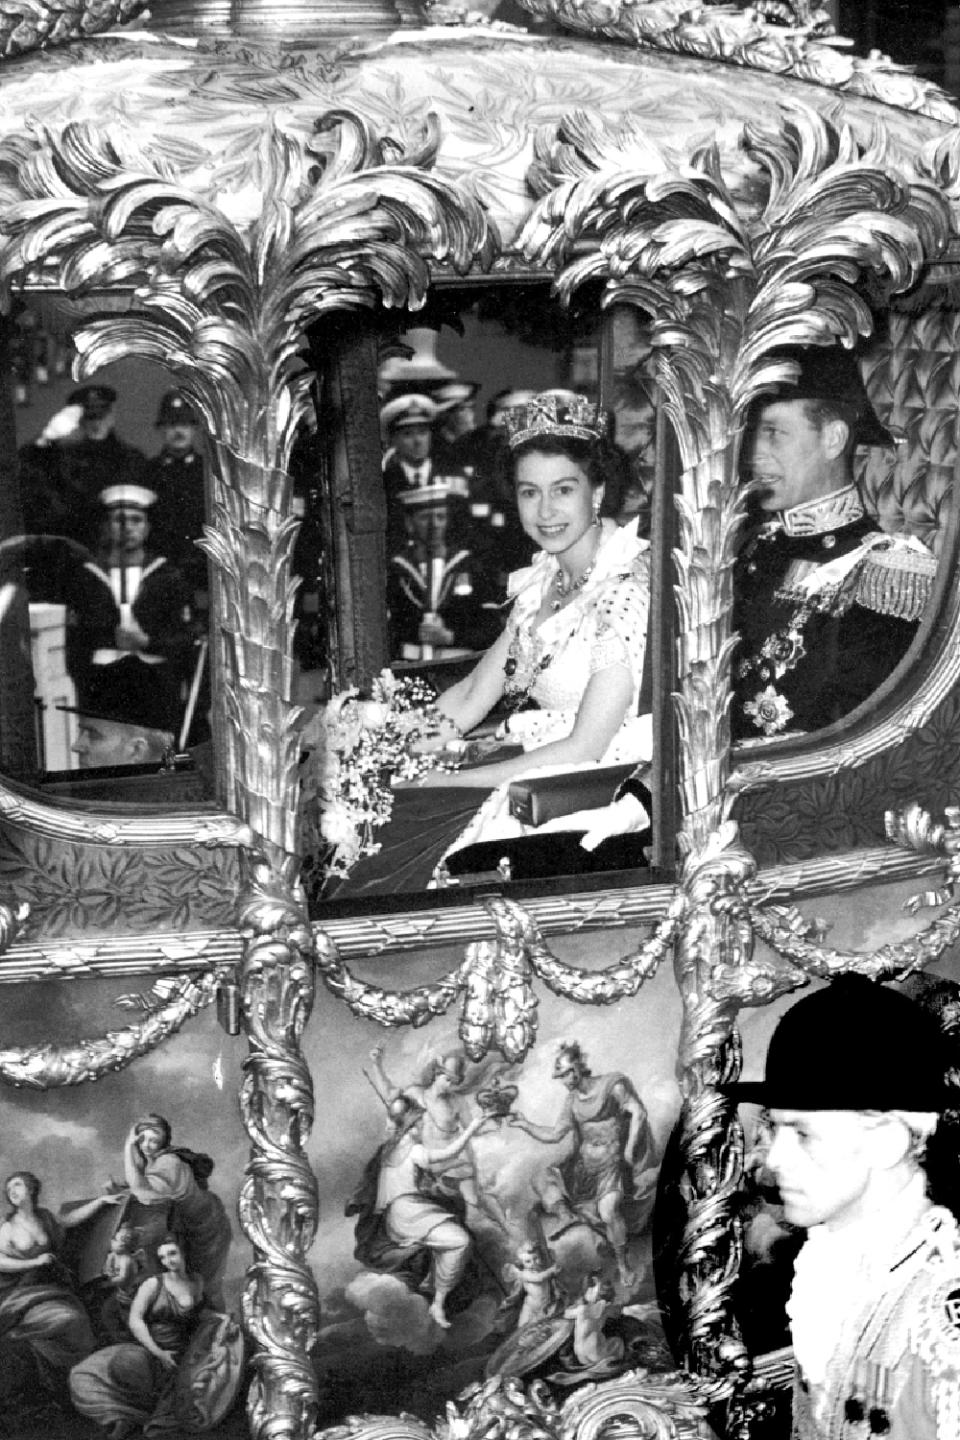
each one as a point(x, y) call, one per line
point(855, 1045)
point(831, 372)
point(128, 692)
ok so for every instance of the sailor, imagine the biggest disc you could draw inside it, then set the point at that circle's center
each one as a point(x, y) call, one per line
point(854, 1087)
point(441, 594)
point(127, 599)
point(825, 603)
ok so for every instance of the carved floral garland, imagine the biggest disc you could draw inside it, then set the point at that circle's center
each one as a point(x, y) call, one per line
point(165, 1008)
point(499, 1009)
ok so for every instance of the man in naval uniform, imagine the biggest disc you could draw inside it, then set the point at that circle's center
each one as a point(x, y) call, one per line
point(854, 1086)
point(825, 604)
point(127, 600)
point(440, 594)
point(77, 454)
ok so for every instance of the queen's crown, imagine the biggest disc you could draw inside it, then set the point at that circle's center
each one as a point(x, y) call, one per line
point(554, 412)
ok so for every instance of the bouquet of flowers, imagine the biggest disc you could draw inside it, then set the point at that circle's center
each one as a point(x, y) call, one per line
point(354, 750)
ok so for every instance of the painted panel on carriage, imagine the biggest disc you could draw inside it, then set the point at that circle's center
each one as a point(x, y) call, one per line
point(79, 1241)
point(527, 1250)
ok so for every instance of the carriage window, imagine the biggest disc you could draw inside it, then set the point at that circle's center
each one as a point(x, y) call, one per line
point(514, 471)
point(104, 599)
point(853, 482)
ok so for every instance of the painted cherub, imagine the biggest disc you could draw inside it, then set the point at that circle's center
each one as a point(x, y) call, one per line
point(535, 1282)
point(590, 1345)
point(124, 1262)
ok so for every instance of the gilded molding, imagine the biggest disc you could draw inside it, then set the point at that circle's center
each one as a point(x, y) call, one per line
point(165, 1010)
point(118, 827)
point(179, 953)
point(741, 36)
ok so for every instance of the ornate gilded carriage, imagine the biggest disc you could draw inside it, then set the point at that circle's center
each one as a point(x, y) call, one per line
point(247, 199)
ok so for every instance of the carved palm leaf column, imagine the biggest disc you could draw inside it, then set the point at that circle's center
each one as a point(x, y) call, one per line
point(221, 295)
point(724, 283)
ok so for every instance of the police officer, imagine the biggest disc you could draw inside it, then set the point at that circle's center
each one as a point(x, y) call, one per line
point(826, 605)
point(76, 455)
point(177, 477)
point(854, 1087)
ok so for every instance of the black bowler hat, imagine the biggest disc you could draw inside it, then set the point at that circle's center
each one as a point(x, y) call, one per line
point(832, 373)
point(175, 409)
point(94, 400)
point(128, 692)
point(857, 1045)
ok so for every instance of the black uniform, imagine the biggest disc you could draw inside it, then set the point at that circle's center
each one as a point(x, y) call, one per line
point(806, 658)
point(60, 484)
point(179, 515)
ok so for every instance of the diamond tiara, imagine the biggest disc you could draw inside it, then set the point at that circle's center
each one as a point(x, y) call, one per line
point(554, 412)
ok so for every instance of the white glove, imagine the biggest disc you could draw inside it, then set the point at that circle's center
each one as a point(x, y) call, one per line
point(624, 817)
point(60, 426)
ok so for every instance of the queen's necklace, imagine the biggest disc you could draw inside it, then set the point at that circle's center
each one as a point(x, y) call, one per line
point(565, 587)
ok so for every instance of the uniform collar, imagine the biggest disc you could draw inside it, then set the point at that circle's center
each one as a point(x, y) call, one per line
point(827, 512)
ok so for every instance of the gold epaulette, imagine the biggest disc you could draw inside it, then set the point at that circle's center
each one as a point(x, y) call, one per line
point(896, 578)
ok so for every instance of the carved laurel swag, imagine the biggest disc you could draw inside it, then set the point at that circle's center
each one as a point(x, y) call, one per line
point(163, 1011)
point(495, 981)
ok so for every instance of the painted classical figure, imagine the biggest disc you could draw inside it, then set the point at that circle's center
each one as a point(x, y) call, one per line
point(170, 1183)
point(441, 1091)
point(130, 1387)
point(40, 1308)
point(826, 605)
point(854, 1086)
point(607, 1180)
point(404, 1226)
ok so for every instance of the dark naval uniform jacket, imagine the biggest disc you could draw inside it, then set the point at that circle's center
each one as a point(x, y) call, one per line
point(823, 619)
point(179, 515)
point(60, 484)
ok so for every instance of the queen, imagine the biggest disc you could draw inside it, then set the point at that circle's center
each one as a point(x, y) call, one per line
point(568, 664)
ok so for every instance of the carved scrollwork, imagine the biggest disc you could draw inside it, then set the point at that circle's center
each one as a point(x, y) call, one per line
point(278, 1199)
point(169, 1004)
